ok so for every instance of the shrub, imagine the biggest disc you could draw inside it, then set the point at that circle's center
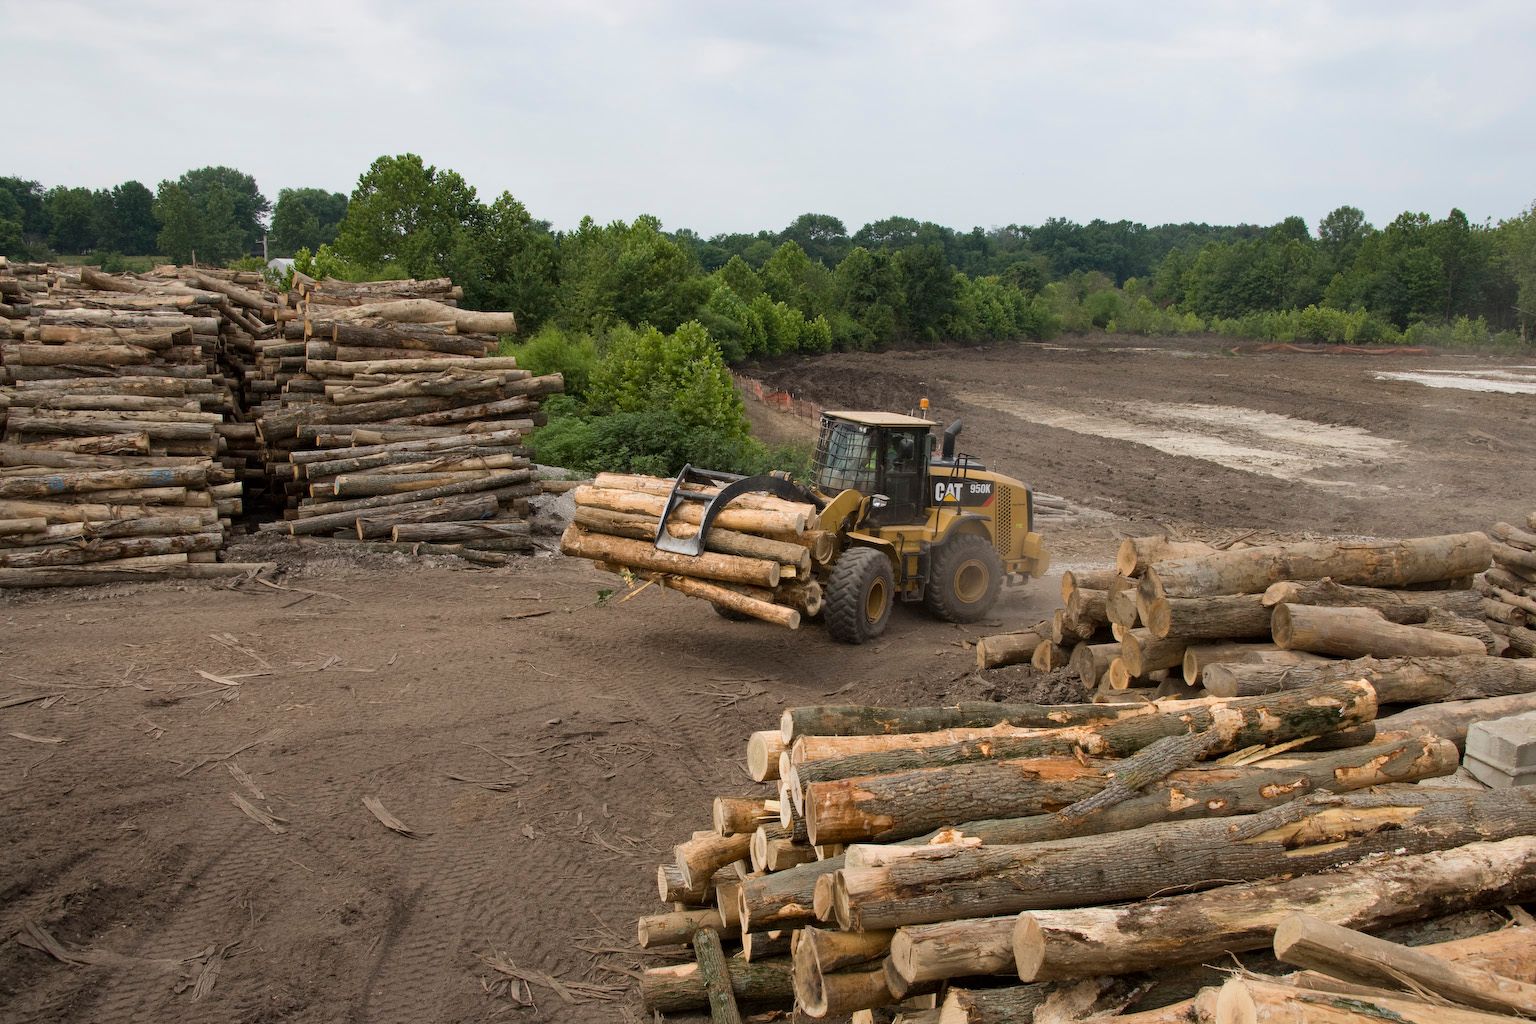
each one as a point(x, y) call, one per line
point(658, 442)
point(553, 350)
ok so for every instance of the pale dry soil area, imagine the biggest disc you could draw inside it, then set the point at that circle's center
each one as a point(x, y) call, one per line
point(183, 767)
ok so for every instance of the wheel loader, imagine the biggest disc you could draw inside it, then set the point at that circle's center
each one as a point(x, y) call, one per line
point(911, 519)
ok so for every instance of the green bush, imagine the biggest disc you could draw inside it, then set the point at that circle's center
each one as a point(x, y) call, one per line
point(657, 442)
point(684, 372)
point(1145, 317)
point(552, 350)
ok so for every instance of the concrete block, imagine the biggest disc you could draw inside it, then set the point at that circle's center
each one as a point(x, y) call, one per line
point(1496, 778)
point(1508, 744)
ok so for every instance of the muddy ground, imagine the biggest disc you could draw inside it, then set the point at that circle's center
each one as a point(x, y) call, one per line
point(545, 744)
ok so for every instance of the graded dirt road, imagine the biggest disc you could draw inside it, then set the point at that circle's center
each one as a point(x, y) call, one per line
point(547, 747)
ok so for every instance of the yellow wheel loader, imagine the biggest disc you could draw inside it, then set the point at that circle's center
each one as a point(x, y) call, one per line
point(910, 522)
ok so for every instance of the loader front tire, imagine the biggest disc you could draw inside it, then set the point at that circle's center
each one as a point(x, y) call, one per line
point(860, 593)
point(966, 575)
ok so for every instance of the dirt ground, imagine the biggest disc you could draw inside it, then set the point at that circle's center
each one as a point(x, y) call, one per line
point(547, 745)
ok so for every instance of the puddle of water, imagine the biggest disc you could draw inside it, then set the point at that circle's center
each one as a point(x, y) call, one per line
point(1244, 439)
point(1489, 381)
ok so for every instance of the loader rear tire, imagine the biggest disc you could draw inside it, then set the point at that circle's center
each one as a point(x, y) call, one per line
point(965, 576)
point(860, 593)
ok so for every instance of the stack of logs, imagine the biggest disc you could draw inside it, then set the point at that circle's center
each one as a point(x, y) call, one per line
point(1183, 619)
point(999, 862)
point(1510, 586)
point(392, 427)
point(759, 554)
point(118, 459)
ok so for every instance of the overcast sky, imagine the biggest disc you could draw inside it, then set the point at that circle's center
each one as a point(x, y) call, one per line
point(738, 116)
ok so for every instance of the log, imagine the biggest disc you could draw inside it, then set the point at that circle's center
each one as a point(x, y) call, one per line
point(1199, 657)
point(128, 571)
point(841, 992)
point(1397, 680)
point(721, 594)
point(1513, 557)
point(734, 815)
point(153, 526)
point(676, 928)
point(832, 950)
point(716, 973)
point(1393, 563)
point(1137, 554)
point(77, 553)
point(1048, 657)
point(63, 484)
point(1311, 835)
point(1144, 653)
point(426, 311)
point(1091, 661)
point(1212, 791)
point(763, 750)
point(1452, 719)
point(1120, 602)
point(1405, 607)
point(1243, 722)
point(673, 888)
point(784, 898)
point(458, 532)
point(1004, 649)
point(859, 720)
point(1238, 617)
point(661, 487)
point(462, 509)
point(967, 947)
point(13, 527)
point(1352, 956)
point(680, 988)
point(1072, 581)
point(726, 542)
point(1073, 943)
point(1362, 632)
point(744, 520)
point(1521, 640)
point(343, 514)
point(701, 857)
point(1252, 1001)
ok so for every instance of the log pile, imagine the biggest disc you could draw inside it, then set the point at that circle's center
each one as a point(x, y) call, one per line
point(1013, 862)
point(1172, 616)
point(140, 415)
point(120, 456)
point(759, 555)
point(385, 421)
point(1509, 587)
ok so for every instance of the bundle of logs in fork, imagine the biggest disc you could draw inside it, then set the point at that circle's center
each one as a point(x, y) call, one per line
point(1183, 619)
point(758, 558)
point(986, 861)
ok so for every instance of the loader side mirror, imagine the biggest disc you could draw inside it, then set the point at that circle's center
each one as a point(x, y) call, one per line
point(950, 433)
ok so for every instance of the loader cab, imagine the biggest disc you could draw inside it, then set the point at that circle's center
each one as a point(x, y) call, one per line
point(879, 454)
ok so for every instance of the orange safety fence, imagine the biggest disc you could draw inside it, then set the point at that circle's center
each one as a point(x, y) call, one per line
point(783, 401)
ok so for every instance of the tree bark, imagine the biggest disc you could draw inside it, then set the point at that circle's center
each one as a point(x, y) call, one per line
point(1394, 563)
point(1071, 582)
point(969, 947)
point(725, 542)
point(1213, 791)
point(1311, 942)
point(1362, 632)
point(1137, 554)
point(452, 510)
point(676, 928)
point(77, 553)
point(1251, 1001)
point(1452, 719)
point(738, 815)
point(1144, 652)
point(1049, 657)
point(1239, 617)
point(700, 858)
point(1003, 649)
point(638, 554)
point(784, 898)
point(859, 720)
point(1406, 607)
point(717, 977)
point(1199, 657)
point(458, 532)
point(1313, 835)
point(720, 594)
point(1057, 944)
point(128, 571)
point(1397, 680)
point(1091, 661)
point(744, 520)
point(680, 988)
point(427, 311)
point(1120, 602)
point(1243, 722)
point(21, 527)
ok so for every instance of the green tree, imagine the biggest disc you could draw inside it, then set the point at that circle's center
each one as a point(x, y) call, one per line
point(216, 213)
point(73, 220)
point(12, 241)
point(792, 277)
point(868, 298)
point(682, 373)
point(822, 236)
point(508, 260)
point(1340, 235)
point(305, 218)
point(134, 226)
point(928, 290)
point(1517, 252)
point(627, 273)
point(406, 213)
point(26, 216)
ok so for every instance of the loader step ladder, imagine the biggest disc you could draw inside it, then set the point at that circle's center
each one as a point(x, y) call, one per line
point(734, 485)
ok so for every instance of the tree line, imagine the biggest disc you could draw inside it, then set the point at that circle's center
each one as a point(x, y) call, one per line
point(814, 286)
